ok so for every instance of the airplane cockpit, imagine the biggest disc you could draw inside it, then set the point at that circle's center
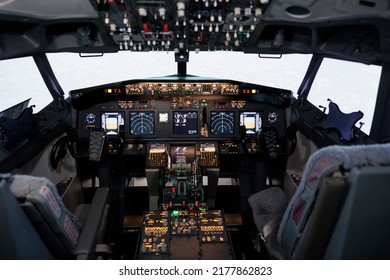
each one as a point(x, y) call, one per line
point(186, 125)
point(186, 166)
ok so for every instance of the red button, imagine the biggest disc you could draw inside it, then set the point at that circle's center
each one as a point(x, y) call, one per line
point(165, 27)
point(146, 27)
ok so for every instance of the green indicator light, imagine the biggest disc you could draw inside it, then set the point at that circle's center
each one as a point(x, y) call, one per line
point(175, 213)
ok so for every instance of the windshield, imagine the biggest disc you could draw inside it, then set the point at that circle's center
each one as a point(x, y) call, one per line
point(21, 80)
point(74, 72)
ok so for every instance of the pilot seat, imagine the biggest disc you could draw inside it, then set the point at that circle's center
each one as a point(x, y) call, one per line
point(46, 229)
point(340, 209)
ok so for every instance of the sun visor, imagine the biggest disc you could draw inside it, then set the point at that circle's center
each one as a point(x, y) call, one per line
point(349, 30)
point(29, 27)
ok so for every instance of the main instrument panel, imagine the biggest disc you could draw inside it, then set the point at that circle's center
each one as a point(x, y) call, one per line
point(180, 110)
point(180, 130)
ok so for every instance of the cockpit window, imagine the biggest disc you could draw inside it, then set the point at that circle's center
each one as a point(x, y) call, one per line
point(20, 80)
point(286, 72)
point(74, 72)
point(352, 86)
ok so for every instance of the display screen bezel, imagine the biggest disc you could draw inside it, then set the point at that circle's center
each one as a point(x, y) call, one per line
point(179, 130)
point(120, 121)
point(189, 154)
point(231, 113)
point(134, 113)
point(257, 124)
point(160, 117)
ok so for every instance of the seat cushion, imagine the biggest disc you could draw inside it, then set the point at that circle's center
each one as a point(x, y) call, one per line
point(267, 205)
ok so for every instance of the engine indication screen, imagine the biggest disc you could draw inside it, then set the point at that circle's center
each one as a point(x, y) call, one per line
point(222, 122)
point(185, 122)
point(111, 122)
point(182, 153)
point(142, 123)
point(252, 121)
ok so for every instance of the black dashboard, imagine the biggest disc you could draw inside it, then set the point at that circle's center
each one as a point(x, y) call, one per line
point(175, 131)
point(186, 110)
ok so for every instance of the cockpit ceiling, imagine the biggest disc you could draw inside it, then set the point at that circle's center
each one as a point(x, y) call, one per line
point(345, 29)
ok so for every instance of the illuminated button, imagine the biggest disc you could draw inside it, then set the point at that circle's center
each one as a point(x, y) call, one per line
point(165, 27)
point(90, 118)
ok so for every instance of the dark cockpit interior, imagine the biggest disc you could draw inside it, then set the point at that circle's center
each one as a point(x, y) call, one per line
point(185, 136)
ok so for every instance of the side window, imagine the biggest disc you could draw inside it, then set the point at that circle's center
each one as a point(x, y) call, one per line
point(353, 86)
point(20, 80)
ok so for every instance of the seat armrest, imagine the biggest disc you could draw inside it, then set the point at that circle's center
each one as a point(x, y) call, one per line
point(85, 248)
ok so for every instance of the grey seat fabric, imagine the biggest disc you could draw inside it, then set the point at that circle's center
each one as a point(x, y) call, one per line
point(44, 207)
point(65, 235)
point(300, 224)
point(363, 229)
point(18, 238)
point(268, 208)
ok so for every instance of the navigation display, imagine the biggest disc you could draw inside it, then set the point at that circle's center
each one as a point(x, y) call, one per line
point(222, 122)
point(142, 123)
point(111, 122)
point(252, 122)
point(185, 122)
